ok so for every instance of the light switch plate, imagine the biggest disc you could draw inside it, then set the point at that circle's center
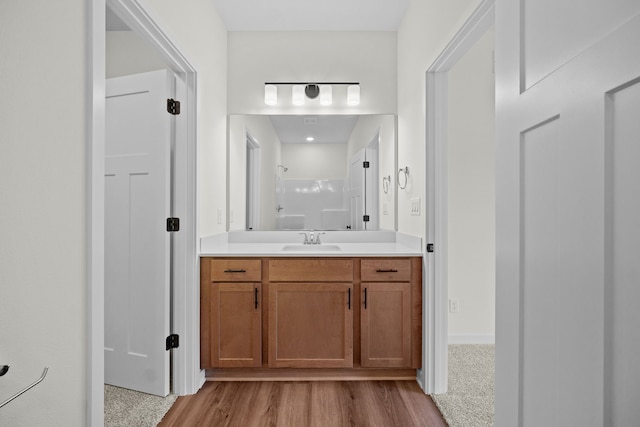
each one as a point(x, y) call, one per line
point(415, 206)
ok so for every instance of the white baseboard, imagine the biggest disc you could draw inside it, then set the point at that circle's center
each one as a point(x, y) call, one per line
point(472, 339)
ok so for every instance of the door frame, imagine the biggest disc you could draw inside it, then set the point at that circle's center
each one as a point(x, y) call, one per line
point(187, 376)
point(436, 329)
point(252, 179)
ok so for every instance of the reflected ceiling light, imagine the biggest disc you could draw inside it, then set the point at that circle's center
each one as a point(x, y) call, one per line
point(310, 139)
point(326, 94)
point(270, 94)
point(301, 90)
point(297, 95)
point(353, 95)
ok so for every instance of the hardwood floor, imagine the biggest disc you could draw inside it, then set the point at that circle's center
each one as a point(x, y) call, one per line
point(306, 404)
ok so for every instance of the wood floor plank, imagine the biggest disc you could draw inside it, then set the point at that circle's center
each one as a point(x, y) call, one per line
point(306, 403)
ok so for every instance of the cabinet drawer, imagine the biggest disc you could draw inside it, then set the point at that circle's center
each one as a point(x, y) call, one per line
point(236, 270)
point(310, 270)
point(385, 270)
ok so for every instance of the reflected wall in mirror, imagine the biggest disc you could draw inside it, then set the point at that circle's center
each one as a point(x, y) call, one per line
point(322, 172)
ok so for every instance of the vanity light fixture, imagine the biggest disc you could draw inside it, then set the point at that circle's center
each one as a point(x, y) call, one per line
point(297, 95)
point(353, 95)
point(326, 94)
point(271, 94)
point(310, 139)
point(301, 90)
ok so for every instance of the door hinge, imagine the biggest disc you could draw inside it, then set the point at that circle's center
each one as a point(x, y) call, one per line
point(430, 247)
point(173, 106)
point(173, 341)
point(365, 164)
point(365, 218)
point(173, 224)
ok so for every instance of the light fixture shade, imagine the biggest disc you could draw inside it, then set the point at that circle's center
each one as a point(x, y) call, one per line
point(270, 94)
point(326, 94)
point(297, 95)
point(353, 95)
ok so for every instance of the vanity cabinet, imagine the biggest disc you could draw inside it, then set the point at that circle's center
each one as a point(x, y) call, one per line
point(385, 313)
point(350, 314)
point(231, 313)
point(310, 313)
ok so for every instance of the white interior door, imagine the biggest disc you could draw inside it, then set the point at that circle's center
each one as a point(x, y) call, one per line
point(357, 190)
point(137, 245)
point(568, 209)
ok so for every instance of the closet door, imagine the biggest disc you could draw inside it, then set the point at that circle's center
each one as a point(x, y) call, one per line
point(567, 102)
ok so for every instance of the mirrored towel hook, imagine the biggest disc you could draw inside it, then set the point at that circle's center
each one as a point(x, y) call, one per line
point(403, 172)
point(386, 181)
point(26, 389)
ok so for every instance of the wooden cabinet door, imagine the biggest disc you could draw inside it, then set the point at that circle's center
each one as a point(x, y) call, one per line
point(235, 325)
point(310, 325)
point(385, 317)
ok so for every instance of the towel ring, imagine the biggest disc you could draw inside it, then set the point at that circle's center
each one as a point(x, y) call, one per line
point(403, 171)
point(26, 389)
point(386, 181)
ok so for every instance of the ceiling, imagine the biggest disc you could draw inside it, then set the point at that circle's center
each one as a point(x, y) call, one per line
point(324, 129)
point(311, 15)
point(302, 15)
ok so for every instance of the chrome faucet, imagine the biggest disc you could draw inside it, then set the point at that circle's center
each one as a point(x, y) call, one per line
point(312, 238)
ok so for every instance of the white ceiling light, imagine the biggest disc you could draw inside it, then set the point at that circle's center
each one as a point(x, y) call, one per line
point(270, 94)
point(310, 139)
point(326, 94)
point(297, 95)
point(353, 95)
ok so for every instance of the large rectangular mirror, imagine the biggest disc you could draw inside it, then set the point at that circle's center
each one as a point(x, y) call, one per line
point(322, 172)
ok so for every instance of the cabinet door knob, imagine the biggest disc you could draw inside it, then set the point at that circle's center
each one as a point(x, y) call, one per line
point(256, 297)
point(365, 298)
point(391, 270)
point(235, 271)
point(349, 301)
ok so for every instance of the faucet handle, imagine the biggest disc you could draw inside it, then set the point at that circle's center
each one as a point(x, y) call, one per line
point(318, 237)
point(306, 238)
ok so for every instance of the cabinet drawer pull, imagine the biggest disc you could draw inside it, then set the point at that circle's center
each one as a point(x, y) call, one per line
point(236, 271)
point(365, 298)
point(256, 297)
point(349, 302)
point(391, 270)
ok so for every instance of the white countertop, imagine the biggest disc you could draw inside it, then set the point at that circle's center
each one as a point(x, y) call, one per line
point(348, 243)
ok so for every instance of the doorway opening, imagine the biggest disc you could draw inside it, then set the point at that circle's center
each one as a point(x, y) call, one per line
point(438, 181)
point(187, 376)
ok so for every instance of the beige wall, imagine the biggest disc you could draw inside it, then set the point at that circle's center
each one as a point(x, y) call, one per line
point(424, 33)
point(127, 53)
point(426, 29)
point(471, 192)
point(259, 57)
point(198, 32)
point(43, 179)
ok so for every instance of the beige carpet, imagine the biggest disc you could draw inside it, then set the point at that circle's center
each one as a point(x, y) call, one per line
point(127, 408)
point(469, 401)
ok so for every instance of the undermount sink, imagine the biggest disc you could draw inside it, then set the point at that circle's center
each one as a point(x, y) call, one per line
point(311, 248)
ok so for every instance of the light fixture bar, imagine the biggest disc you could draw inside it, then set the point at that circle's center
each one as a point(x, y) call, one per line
point(312, 83)
point(300, 90)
